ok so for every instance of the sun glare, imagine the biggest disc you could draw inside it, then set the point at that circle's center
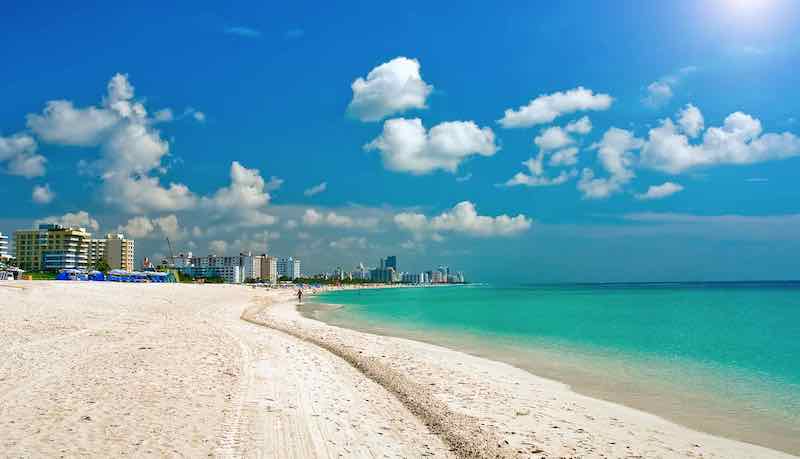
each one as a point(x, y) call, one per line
point(748, 7)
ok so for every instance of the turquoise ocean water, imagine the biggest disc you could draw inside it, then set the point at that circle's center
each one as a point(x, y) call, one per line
point(719, 357)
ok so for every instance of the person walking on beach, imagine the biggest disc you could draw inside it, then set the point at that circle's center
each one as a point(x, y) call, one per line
point(299, 295)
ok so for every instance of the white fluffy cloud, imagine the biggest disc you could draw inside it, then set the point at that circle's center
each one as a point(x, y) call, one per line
point(738, 141)
point(553, 138)
point(61, 123)
point(42, 194)
point(132, 151)
point(405, 146)
point(81, 219)
point(18, 153)
point(615, 153)
point(244, 199)
point(142, 194)
point(390, 88)
point(463, 218)
point(564, 157)
point(691, 120)
point(133, 148)
point(660, 191)
point(546, 108)
point(142, 227)
point(661, 91)
point(580, 126)
point(536, 176)
point(137, 227)
point(312, 217)
point(316, 189)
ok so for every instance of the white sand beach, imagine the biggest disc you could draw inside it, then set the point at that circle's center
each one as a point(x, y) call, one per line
point(148, 370)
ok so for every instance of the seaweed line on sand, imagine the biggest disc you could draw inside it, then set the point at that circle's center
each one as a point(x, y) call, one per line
point(463, 433)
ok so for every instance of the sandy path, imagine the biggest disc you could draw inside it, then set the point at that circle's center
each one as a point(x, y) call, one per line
point(89, 369)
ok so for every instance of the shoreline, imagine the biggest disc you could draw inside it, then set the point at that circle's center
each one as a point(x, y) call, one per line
point(310, 311)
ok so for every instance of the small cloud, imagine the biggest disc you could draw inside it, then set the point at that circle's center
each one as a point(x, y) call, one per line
point(164, 115)
point(661, 91)
point(42, 194)
point(756, 180)
point(243, 31)
point(464, 178)
point(660, 191)
point(195, 114)
point(294, 34)
point(273, 184)
point(316, 189)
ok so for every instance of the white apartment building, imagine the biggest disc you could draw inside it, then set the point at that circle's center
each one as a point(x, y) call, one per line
point(233, 270)
point(251, 266)
point(4, 247)
point(413, 278)
point(289, 267)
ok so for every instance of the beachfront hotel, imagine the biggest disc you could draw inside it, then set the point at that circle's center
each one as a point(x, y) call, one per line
point(52, 247)
point(269, 269)
point(4, 255)
point(117, 251)
point(231, 269)
point(289, 268)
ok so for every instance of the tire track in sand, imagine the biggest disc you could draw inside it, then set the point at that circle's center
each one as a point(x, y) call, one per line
point(463, 433)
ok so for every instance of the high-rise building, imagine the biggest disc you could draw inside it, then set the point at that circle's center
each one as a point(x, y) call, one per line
point(117, 251)
point(230, 269)
point(4, 247)
point(361, 273)
point(96, 251)
point(386, 275)
point(248, 264)
point(269, 269)
point(52, 247)
point(289, 268)
point(391, 262)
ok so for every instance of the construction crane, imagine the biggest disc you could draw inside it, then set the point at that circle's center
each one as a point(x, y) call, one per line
point(171, 254)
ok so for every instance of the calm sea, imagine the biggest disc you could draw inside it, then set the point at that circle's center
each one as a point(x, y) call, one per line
point(719, 357)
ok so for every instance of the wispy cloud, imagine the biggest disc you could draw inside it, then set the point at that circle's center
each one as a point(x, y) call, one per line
point(661, 91)
point(316, 189)
point(243, 31)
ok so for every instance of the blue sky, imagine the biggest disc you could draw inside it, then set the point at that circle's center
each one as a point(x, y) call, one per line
point(698, 100)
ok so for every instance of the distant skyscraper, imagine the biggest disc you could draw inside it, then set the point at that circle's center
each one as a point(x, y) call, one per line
point(391, 262)
point(288, 267)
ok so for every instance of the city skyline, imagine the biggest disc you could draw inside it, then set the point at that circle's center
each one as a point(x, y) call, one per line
point(530, 143)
